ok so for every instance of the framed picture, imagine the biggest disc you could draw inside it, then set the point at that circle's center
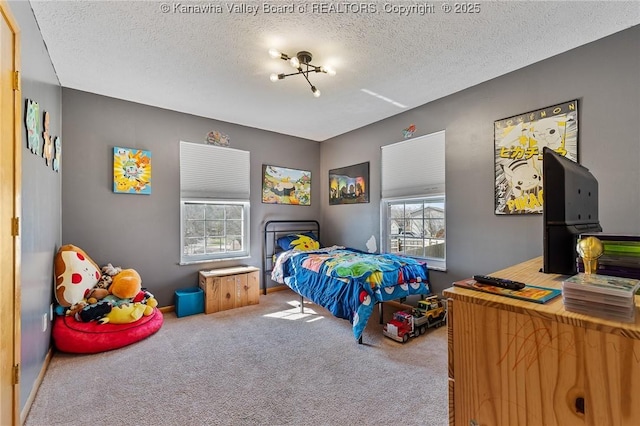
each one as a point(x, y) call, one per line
point(131, 171)
point(281, 185)
point(518, 143)
point(349, 185)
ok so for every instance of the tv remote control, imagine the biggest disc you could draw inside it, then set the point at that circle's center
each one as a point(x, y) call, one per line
point(499, 282)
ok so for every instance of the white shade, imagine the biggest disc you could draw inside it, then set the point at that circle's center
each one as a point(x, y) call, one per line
point(414, 167)
point(213, 172)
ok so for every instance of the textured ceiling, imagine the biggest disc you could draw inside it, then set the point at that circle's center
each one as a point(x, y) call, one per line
point(215, 63)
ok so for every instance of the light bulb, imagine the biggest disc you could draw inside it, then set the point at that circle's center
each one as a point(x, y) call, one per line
point(315, 91)
point(274, 77)
point(328, 70)
point(294, 62)
point(275, 54)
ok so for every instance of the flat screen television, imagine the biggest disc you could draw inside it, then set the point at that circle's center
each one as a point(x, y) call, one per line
point(570, 208)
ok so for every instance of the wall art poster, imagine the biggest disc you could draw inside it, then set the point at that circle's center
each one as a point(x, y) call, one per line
point(131, 171)
point(518, 143)
point(349, 185)
point(281, 185)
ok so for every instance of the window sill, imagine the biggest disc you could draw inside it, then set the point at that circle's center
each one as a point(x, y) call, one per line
point(193, 262)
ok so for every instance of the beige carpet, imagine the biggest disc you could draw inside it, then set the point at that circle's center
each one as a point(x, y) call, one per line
point(259, 365)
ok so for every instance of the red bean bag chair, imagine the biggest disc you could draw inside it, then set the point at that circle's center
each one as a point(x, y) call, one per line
point(78, 337)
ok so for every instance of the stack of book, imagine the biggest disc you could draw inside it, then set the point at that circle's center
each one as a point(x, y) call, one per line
point(621, 256)
point(603, 296)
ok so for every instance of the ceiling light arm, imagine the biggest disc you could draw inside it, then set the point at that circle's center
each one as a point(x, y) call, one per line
point(301, 71)
point(302, 58)
point(306, 75)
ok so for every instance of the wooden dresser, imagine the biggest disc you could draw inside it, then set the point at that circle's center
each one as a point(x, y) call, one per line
point(521, 363)
point(229, 288)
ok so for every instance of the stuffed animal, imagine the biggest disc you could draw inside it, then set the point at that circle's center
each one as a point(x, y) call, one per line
point(75, 273)
point(147, 299)
point(104, 281)
point(95, 294)
point(126, 284)
point(124, 314)
point(111, 270)
point(94, 312)
point(108, 272)
point(75, 308)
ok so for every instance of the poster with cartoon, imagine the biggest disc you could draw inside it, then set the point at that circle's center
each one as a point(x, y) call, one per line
point(518, 154)
point(281, 185)
point(131, 171)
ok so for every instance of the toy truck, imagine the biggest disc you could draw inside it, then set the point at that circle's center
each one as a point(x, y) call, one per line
point(429, 313)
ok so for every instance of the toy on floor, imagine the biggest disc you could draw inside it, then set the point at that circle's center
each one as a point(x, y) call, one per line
point(430, 312)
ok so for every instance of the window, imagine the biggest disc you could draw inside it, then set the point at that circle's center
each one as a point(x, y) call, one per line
point(416, 227)
point(214, 203)
point(213, 230)
point(413, 208)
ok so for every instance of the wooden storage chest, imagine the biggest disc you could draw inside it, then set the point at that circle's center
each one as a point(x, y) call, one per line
point(230, 288)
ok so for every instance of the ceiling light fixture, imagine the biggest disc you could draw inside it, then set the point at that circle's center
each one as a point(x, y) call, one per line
point(301, 62)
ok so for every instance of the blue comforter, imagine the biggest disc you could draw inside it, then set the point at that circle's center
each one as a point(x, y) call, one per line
point(349, 282)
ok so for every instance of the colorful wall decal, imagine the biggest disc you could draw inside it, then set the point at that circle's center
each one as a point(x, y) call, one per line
point(47, 151)
point(217, 138)
point(32, 121)
point(409, 131)
point(131, 171)
point(57, 156)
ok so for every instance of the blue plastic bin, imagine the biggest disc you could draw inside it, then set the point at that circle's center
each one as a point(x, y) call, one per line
point(189, 301)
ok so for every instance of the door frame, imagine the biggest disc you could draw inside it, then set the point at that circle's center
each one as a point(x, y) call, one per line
point(10, 344)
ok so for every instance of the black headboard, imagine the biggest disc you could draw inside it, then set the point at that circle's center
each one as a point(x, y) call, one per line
point(274, 229)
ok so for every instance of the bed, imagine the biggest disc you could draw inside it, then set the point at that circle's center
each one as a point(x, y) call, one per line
point(347, 282)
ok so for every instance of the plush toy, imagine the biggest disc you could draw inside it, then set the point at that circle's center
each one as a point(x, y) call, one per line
point(124, 314)
point(104, 281)
point(116, 301)
point(75, 308)
point(111, 270)
point(75, 273)
point(147, 299)
point(126, 284)
point(108, 272)
point(95, 294)
point(94, 312)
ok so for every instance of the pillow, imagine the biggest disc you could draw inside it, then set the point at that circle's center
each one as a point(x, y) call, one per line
point(303, 241)
point(75, 273)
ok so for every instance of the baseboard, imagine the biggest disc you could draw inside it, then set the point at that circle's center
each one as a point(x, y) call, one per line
point(277, 288)
point(36, 386)
point(397, 304)
point(172, 308)
point(165, 309)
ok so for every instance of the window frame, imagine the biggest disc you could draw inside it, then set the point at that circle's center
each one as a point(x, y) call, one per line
point(186, 259)
point(435, 263)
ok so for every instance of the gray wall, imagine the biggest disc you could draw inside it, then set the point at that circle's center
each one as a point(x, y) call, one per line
point(41, 197)
point(143, 231)
point(604, 76)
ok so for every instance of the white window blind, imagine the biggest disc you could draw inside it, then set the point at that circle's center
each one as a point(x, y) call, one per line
point(414, 167)
point(213, 172)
